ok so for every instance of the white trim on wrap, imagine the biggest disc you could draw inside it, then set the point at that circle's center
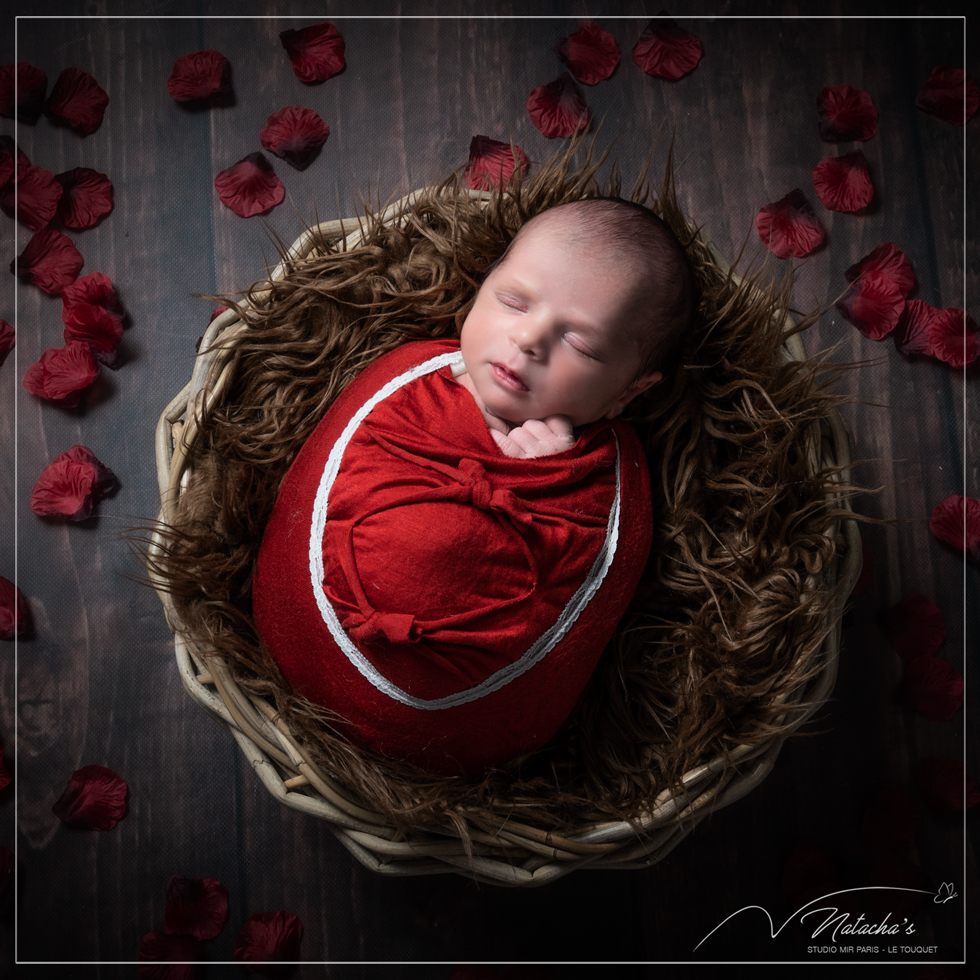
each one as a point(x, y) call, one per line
point(538, 650)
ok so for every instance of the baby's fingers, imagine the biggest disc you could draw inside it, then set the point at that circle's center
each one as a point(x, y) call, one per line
point(507, 445)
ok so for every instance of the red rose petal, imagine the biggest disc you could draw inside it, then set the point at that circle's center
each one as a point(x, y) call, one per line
point(874, 304)
point(250, 186)
point(891, 820)
point(78, 99)
point(87, 197)
point(7, 340)
point(160, 956)
point(37, 195)
point(915, 627)
point(933, 687)
point(31, 86)
point(268, 937)
point(95, 798)
point(7, 166)
point(13, 610)
point(891, 261)
point(894, 875)
point(492, 163)
point(950, 94)
point(558, 108)
point(92, 314)
point(666, 50)
point(845, 113)
point(807, 874)
point(946, 786)
point(50, 261)
point(71, 484)
point(953, 337)
point(316, 52)
point(4, 775)
point(843, 183)
point(912, 332)
point(591, 54)
point(957, 522)
point(789, 226)
point(216, 312)
point(195, 906)
point(295, 134)
point(201, 75)
point(62, 373)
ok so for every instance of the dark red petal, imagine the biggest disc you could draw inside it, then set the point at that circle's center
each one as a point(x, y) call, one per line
point(78, 99)
point(873, 303)
point(31, 86)
point(591, 54)
point(558, 108)
point(105, 479)
point(946, 786)
point(95, 289)
point(37, 195)
point(843, 183)
point(92, 314)
point(160, 956)
point(317, 51)
point(216, 312)
point(295, 134)
point(957, 522)
point(195, 906)
point(897, 875)
point(953, 337)
point(891, 820)
point(845, 113)
point(87, 197)
point(13, 610)
point(807, 873)
point(66, 488)
point(250, 186)
point(867, 576)
point(666, 50)
point(914, 627)
point(62, 374)
point(889, 260)
point(933, 687)
point(492, 163)
point(50, 261)
point(912, 332)
point(201, 75)
point(268, 937)
point(7, 174)
point(950, 94)
point(789, 226)
point(4, 775)
point(95, 798)
point(7, 340)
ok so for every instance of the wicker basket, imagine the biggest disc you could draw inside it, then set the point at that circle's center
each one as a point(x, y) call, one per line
point(515, 854)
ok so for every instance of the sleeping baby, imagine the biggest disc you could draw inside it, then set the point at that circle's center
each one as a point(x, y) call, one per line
point(459, 537)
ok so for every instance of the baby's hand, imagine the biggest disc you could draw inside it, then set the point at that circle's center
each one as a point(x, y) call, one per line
point(536, 437)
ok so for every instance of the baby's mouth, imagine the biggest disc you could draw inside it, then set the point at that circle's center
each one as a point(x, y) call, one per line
point(508, 378)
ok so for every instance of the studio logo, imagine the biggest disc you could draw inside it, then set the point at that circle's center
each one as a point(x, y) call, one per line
point(824, 919)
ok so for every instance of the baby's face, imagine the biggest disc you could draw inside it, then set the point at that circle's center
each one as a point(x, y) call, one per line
point(549, 334)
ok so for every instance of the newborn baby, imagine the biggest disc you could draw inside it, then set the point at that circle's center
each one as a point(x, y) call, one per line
point(458, 538)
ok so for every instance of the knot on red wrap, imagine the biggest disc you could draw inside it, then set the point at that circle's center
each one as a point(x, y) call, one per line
point(483, 494)
point(395, 627)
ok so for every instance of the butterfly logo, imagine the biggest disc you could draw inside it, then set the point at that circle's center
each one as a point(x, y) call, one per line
point(945, 893)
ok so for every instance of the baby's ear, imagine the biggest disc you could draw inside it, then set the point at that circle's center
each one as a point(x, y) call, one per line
point(636, 388)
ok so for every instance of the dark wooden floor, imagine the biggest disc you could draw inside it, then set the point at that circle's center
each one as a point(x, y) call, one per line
point(97, 681)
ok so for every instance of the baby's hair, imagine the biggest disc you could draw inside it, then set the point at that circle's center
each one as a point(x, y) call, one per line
point(611, 224)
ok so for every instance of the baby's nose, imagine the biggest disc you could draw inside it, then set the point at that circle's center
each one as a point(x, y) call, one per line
point(530, 337)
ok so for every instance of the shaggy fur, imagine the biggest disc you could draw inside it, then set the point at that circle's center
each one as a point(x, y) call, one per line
point(729, 619)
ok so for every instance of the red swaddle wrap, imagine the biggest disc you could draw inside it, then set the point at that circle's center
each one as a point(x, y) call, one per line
point(448, 601)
